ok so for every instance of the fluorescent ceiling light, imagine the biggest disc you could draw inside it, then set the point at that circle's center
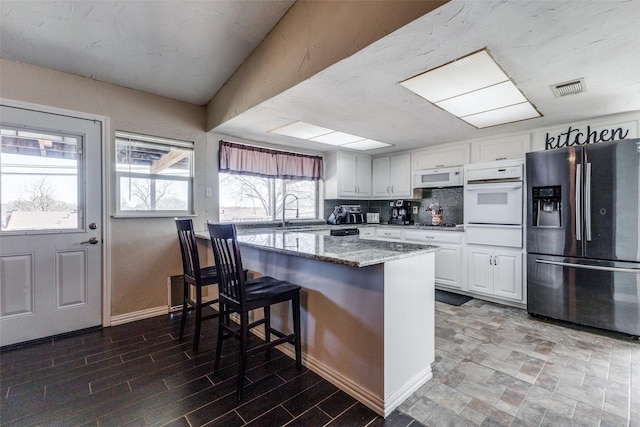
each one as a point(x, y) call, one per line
point(307, 131)
point(366, 144)
point(512, 113)
point(301, 130)
point(472, 85)
point(337, 138)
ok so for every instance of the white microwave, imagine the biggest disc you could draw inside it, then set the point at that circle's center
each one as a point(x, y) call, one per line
point(440, 177)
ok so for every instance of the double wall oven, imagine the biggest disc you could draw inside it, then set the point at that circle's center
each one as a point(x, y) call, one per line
point(493, 203)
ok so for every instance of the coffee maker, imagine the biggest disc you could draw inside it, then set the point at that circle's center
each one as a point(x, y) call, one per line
point(400, 212)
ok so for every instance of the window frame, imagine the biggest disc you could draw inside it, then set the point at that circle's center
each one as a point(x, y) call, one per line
point(117, 212)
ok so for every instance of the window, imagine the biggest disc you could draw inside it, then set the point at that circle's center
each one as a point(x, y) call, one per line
point(252, 198)
point(41, 180)
point(154, 176)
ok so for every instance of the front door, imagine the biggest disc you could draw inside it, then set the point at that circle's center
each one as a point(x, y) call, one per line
point(51, 229)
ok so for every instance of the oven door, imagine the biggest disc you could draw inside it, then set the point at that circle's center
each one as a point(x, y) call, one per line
point(494, 203)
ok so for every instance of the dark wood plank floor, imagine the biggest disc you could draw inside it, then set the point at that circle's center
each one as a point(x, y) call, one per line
point(139, 374)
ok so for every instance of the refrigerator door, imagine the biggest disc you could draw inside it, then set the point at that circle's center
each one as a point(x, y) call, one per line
point(560, 167)
point(602, 294)
point(612, 201)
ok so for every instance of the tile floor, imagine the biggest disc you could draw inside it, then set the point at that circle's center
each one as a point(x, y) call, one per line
point(494, 366)
point(497, 366)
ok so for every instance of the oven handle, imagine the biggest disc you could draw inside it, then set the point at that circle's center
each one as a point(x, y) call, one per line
point(590, 267)
point(493, 185)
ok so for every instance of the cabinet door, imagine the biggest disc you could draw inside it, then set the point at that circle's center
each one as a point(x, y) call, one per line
point(480, 270)
point(363, 176)
point(508, 274)
point(380, 177)
point(347, 184)
point(449, 266)
point(441, 157)
point(506, 148)
point(400, 175)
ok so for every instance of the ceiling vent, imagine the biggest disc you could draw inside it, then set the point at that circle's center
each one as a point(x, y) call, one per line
point(569, 88)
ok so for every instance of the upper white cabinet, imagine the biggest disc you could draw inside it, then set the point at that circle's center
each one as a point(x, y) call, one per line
point(347, 175)
point(391, 176)
point(430, 158)
point(505, 148)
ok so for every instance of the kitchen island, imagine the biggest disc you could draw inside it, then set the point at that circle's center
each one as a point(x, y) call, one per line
point(367, 310)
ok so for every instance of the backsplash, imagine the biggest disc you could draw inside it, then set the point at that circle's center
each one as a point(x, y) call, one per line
point(450, 200)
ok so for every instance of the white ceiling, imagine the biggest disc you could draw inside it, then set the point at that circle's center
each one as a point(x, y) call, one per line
point(172, 48)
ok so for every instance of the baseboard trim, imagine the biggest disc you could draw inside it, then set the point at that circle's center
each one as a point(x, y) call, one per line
point(139, 315)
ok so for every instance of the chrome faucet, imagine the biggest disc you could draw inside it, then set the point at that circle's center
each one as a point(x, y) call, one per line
point(284, 207)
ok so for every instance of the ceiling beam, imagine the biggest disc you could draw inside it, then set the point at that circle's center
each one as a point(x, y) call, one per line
point(167, 160)
point(310, 37)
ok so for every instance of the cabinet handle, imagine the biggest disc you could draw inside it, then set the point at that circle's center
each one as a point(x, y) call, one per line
point(495, 260)
point(490, 260)
point(439, 166)
point(501, 158)
point(387, 189)
point(392, 189)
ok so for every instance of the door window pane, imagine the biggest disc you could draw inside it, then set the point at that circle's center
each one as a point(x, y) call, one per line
point(40, 181)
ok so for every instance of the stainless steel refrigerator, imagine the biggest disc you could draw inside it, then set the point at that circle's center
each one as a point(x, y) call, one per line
point(583, 228)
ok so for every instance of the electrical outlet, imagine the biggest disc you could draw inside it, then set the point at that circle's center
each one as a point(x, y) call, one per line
point(415, 210)
point(208, 192)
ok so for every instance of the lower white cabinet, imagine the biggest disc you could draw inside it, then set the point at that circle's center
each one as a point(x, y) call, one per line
point(449, 259)
point(495, 271)
point(394, 234)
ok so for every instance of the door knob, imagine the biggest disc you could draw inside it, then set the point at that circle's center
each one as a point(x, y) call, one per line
point(91, 241)
point(93, 226)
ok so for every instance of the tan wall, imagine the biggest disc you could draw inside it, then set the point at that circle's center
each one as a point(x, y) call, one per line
point(144, 251)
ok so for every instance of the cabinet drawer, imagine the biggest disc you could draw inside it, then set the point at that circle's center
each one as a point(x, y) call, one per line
point(425, 236)
point(389, 234)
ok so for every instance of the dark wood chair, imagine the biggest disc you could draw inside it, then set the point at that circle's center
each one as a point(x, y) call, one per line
point(237, 295)
point(196, 276)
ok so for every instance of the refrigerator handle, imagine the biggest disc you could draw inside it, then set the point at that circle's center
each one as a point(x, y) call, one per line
point(578, 203)
point(590, 267)
point(587, 202)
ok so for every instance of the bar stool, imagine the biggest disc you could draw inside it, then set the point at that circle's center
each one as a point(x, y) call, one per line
point(237, 295)
point(196, 276)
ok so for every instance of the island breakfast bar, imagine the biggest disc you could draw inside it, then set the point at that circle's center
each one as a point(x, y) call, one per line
point(367, 312)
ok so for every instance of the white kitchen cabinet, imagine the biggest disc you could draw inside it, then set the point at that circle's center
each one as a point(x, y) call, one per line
point(449, 259)
point(393, 234)
point(367, 232)
point(430, 158)
point(347, 175)
point(505, 148)
point(495, 271)
point(391, 177)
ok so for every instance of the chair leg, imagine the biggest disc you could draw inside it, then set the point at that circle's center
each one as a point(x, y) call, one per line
point(222, 319)
point(196, 335)
point(244, 344)
point(295, 301)
point(185, 306)
point(267, 328)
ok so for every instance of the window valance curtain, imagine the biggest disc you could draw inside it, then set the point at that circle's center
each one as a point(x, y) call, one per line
point(244, 159)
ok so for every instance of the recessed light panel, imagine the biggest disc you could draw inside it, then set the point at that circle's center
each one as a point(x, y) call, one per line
point(309, 132)
point(337, 138)
point(301, 130)
point(512, 113)
point(471, 85)
point(367, 144)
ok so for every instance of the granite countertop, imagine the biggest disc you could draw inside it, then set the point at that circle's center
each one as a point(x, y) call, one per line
point(316, 244)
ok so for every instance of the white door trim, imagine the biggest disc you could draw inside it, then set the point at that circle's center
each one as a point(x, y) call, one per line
point(106, 189)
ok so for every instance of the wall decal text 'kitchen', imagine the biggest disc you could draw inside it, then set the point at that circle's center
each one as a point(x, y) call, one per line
point(575, 137)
